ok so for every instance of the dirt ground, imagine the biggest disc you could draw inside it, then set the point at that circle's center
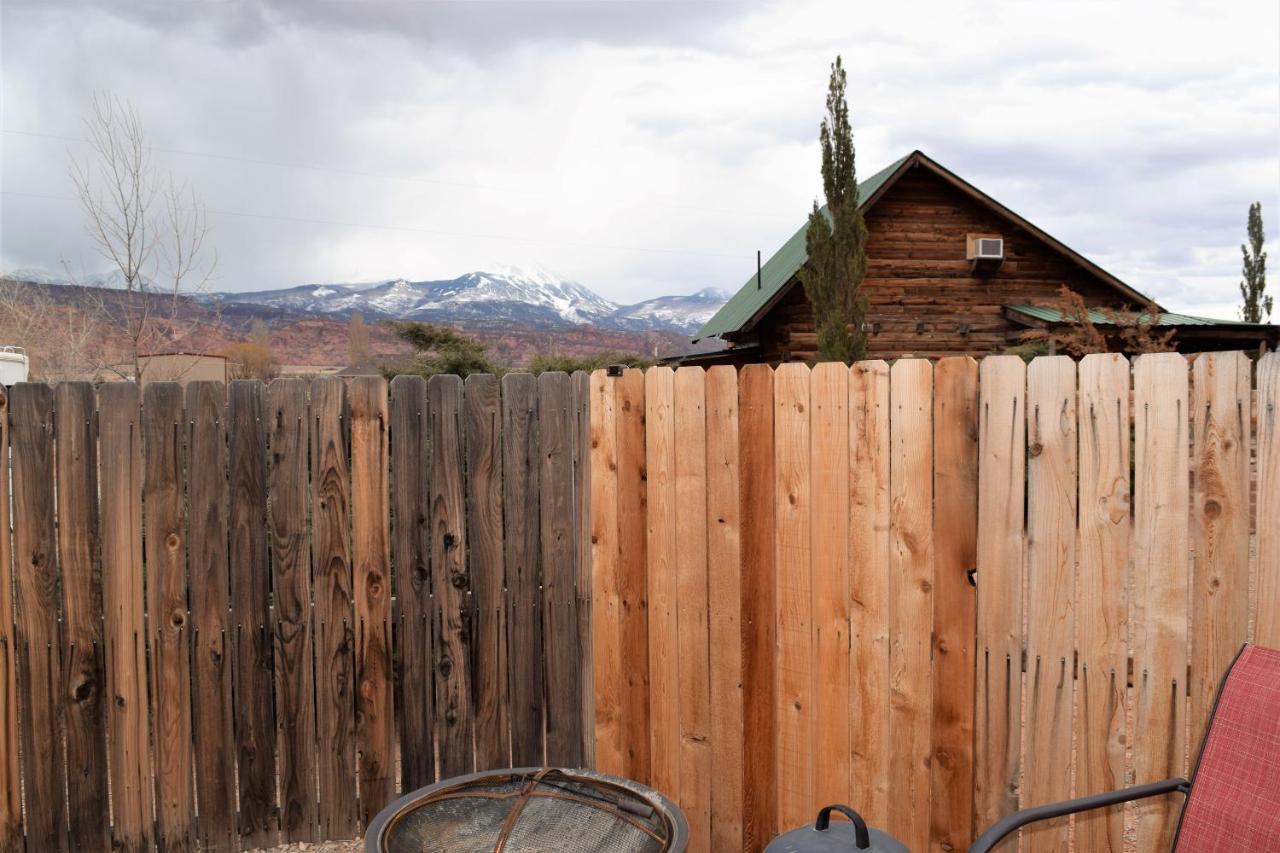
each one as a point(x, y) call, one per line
point(353, 846)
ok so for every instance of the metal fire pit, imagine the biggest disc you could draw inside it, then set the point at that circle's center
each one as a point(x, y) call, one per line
point(530, 809)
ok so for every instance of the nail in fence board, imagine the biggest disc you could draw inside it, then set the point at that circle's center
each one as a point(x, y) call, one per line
point(559, 603)
point(35, 556)
point(331, 562)
point(869, 586)
point(128, 759)
point(633, 590)
point(211, 640)
point(450, 579)
point(411, 556)
point(910, 597)
point(482, 437)
point(1267, 631)
point(286, 419)
point(251, 630)
point(75, 413)
point(1051, 557)
point(1102, 599)
point(11, 840)
point(370, 536)
point(955, 532)
point(1001, 547)
point(1160, 577)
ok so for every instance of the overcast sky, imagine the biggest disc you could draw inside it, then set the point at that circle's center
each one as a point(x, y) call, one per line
point(645, 147)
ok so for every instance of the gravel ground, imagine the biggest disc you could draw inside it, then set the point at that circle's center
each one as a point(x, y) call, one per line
point(353, 846)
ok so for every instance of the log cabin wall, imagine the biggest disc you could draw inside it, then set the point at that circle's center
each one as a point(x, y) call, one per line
point(919, 284)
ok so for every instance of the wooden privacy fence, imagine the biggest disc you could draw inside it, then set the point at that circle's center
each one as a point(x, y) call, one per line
point(235, 616)
point(935, 592)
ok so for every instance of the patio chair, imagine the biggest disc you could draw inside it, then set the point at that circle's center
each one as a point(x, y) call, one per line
point(1233, 799)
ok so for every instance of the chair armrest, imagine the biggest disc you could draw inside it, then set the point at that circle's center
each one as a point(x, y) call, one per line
point(993, 836)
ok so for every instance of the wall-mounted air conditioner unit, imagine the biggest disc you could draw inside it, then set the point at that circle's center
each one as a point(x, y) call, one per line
point(985, 252)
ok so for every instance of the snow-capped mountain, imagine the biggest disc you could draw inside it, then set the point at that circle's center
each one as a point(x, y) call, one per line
point(676, 313)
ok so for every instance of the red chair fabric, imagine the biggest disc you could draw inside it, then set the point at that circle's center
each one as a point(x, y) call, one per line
point(1234, 804)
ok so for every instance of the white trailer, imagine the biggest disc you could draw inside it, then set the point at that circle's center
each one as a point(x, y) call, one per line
point(14, 365)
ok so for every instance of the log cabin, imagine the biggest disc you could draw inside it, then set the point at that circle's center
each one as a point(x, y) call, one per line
point(950, 271)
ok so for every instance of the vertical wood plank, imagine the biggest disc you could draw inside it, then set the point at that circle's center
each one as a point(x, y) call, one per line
point(582, 555)
point(1051, 557)
point(759, 584)
point(483, 438)
point(523, 565)
point(869, 543)
point(829, 464)
point(632, 581)
point(725, 595)
point(660, 567)
point(910, 596)
point(1102, 594)
point(36, 575)
point(11, 833)
point(250, 596)
point(1267, 607)
point(1161, 501)
point(128, 759)
point(163, 495)
point(82, 664)
point(605, 617)
point(334, 637)
point(211, 653)
point(1001, 531)
point(411, 541)
point(795, 594)
point(1221, 397)
point(559, 602)
point(955, 537)
point(370, 540)
point(450, 580)
point(693, 637)
point(287, 419)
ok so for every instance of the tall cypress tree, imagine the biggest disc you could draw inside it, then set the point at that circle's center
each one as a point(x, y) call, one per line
point(837, 238)
point(1254, 286)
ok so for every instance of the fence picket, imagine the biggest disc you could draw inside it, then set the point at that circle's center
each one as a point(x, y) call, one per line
point(1267, 605)
point(632, 586)
point(606, 619)
point(582, 557)
point(11, 834)
point(660, 555)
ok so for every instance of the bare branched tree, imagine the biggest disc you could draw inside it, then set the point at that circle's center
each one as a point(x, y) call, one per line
point(60, 340)
point(154, 231)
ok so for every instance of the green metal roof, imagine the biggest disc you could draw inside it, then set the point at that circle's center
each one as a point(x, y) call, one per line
point(778, 270)
point(1100, 318)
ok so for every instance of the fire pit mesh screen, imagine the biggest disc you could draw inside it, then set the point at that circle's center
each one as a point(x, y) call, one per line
point(547, 810)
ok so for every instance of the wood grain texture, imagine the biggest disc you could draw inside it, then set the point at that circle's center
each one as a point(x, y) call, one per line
point(1221, 396)
point(1267, 607)
point(522, 541)
point(869, 543)
point(724, 590)
point(633, 593)
point(120, 484)
point(450, 579)
point(482, 427)
point(559, 602)
point(1051, 558)
point(411, 555)
point(1160, 577)
point(1102, 594)
point(582, 555)
point(331, 571)
point(693, 636)
point(829, 464)
point(371, 542)
point(83, 668)
point(911, 580)
point(759, 590)
point(286, 416)
point(1001, 551)
point(661, 548)
point(251, 648)
point(207, 558)
point(163, 494)
point(955, 537)
point(38, 603)
point(793, 542)
point(605, 616)
point(11, 832)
